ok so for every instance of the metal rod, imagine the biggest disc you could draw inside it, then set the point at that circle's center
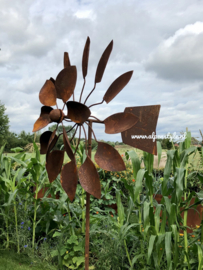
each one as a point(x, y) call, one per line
point(67, 120)
point(90, 93)
point(90, 126)
point(82, 90)
point(73, 134)
point(96, 118)
point(68, 130)
point(92, 120)
point(87, 236)
point(95, 121)
point(85, 140)
point(78, 141)
point(96, 103)
point(64, 106)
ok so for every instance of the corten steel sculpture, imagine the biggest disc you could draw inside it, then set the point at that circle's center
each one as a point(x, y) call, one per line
point(134, 121)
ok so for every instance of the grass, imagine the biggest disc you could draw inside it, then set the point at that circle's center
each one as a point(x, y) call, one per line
point(10, 260)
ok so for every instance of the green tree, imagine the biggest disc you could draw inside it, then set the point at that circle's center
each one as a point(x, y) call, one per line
point(60, 129)
point(166, 144)
point(4, 124)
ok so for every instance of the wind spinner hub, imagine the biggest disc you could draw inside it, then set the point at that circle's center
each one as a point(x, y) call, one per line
point(56, 115)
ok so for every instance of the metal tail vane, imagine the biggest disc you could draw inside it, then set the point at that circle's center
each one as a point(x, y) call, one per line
point(133, 121)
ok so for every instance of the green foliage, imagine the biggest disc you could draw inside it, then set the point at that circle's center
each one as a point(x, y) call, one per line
point(137, 234)
point(71, 252)
point(4, 124)
point(14, 140)
point(166, 144)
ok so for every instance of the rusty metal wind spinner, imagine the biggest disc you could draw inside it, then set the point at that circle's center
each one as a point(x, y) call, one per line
point(134, 121)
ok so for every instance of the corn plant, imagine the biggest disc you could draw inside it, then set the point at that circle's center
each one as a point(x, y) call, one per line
point(11, 181)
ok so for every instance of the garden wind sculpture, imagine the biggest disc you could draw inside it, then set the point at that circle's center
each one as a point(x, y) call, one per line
point(133, 121)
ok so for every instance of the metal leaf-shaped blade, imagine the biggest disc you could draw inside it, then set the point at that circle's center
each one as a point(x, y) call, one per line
point(89, 178)
point(108, 158)
point(138, 135)
point(67, 145)
point(119, 122)
point(51, 79)
point(66, 60)
point(65, 83)
point(69, 179)
point(45, 110)
point(54, 164)
point(103, 62)
point(44, 118)
point(77, 112)
point(47, 94)
point(85, 57)
point(44, 141)
point(117, 86)
point(52, 141)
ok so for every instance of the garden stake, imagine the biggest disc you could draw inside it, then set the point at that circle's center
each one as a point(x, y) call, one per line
point(133, 121)
point(88, 203)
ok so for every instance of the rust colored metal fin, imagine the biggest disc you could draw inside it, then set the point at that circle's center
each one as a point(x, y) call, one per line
point(44, 141)
point(66, 60)
point(47, 94)
point(52, 141)
point(117, 86)
point(108, 158)
point(119, 122)
point(51, 79)
point(78, 112)
point(54, 164)
point(67, 145)
point(45, 110)
point(41, 123)
point(103, 62)
point(85, 57)
point(145, 127)
point(89, 178)
point(69, 179)
point(44, 118)
point(65, 83)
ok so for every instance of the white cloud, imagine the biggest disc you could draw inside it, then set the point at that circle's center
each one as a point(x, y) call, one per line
point(180, 57)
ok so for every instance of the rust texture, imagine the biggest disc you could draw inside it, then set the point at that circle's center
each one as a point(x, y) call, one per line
point(89, 178)
point(108, 158)
point(117, 86)
point(87, 225)
point(65, 83)
point(85, 58)
point(133, 121)
point(69, 179)
point(47, 94)
point(44, 141)
point(78, 112)
point(146, 125)
point(119, 122)
point(66, 60)
point(54, 164)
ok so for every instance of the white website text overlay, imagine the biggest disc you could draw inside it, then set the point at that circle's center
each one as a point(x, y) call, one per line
point(154, 137)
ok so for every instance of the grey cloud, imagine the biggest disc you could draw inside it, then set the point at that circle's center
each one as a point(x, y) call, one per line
point(34, 39)
point(181, 61)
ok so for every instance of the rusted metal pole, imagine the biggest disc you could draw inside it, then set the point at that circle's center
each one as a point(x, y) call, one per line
point(88, 203)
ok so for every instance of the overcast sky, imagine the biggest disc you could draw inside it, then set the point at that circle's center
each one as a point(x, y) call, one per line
point(162, 41)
